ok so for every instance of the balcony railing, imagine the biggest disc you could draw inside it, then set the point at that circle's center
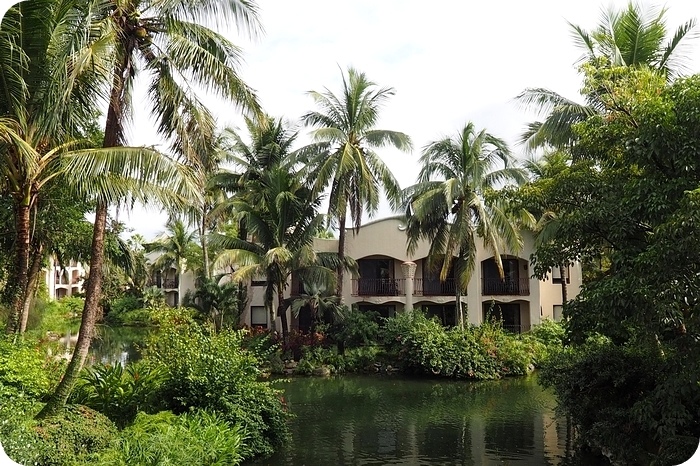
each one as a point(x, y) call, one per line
point(512, 287)
point(378, 286)
point(170, 283)
point(423, 287)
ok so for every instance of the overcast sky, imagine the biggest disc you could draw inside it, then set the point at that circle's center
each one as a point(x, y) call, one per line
point(449, 62)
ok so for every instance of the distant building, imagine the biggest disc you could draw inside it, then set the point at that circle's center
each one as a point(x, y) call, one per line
point(64, 280)
point(390, 281)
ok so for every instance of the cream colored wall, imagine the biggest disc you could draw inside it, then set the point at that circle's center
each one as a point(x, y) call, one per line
point(386, 237)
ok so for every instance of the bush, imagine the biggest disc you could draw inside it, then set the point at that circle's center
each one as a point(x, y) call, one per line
point(120, 393)
point(639, 402)
point(357, 329)
point(69, 438)
point(56, 316)
point(128, 310)
point(25, 369)
point(213, 372)
point(423, 346)
point(198, 438)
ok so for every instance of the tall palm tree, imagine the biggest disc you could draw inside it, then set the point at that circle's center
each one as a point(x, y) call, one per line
point(172, 43)
point(174, 246)
point(450, 205)
point(347, 162)
point(42, 111)
point(630, 37)
point(282, 219)
point(543, 169)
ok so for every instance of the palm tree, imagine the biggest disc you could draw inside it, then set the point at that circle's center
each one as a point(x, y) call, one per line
point(320, 301)
point(174, 247)
point(631, 37)
point(544, 168)
point(347, 162)
point(282, 220)
point(41, 113)
point(172, 43)
point(450, 205)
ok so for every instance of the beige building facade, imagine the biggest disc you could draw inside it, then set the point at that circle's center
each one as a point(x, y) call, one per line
point(390, 281)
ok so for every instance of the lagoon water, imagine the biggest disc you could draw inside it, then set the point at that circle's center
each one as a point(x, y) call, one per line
point(392, 420)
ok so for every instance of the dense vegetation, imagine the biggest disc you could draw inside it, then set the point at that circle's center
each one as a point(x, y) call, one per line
point(617, 189)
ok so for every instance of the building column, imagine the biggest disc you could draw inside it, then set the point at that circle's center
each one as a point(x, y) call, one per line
point(409, 271)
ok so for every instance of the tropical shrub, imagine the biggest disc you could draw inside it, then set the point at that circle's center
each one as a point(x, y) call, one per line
point(356, 329)
point(213, 372)
point(423, 346)
point(128, 310)
point(55, 316)
point(198, 438)
point(120, 393)
point(611, 391)
point(25, 369)
point(69, 438)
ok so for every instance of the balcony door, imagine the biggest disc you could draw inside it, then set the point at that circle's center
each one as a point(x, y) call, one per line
point(376, 277)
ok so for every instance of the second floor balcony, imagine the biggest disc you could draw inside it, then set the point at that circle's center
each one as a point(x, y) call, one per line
point(378, 286)
point(506, 287)
point(425, 287)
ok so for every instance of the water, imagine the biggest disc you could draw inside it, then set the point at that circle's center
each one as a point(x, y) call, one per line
point(117, 345)
point(391, 420)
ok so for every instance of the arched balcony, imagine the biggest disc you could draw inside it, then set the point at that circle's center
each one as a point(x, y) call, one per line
point(515, 281)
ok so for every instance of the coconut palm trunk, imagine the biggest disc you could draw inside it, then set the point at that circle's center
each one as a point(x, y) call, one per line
point(114, 130)
point(282, 311)
point(32, 286)
point(19, 288)
point(340, 271)
point(89, 318)
point(564, 289)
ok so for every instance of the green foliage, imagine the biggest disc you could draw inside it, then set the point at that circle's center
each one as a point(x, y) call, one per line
point(353, 360)
point(423, 346)
point(629, 203)
point(120, 393)
point(25, 369)
point(128, 310)
point(610, 391)
point(214, 372)
point(357, 329)
point(69, 438)
point(198, 438)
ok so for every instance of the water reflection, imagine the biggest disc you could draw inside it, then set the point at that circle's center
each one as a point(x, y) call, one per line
point(393, 420)
point(117, 345)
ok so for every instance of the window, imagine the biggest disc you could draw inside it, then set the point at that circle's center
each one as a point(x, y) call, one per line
point(258, 316)
point(556, 275)
point(258, 281)
point(557, 311)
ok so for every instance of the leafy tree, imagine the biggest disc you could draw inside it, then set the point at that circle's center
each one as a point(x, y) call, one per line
point(346, 140)
point(449, 205)
point(633, 194)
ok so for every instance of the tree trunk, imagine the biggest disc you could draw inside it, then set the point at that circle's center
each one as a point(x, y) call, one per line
point(564, 290)
point(341, 257)
point(458, 304)
point(114, 132)
point(90, 316)
point(18, 284)
point(282, 312)
point(32, 286)
point(205, 248)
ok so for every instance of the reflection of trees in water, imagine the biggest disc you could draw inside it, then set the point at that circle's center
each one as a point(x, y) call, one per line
point(375, 420)
point(117, 345)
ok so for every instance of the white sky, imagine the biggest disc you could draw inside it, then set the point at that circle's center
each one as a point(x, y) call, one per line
point(449, 62)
